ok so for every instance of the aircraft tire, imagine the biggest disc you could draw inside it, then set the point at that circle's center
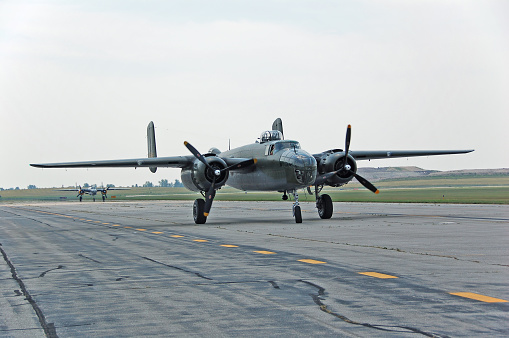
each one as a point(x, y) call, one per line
point(94, 199)
point(298, 214)
point(81, 198)
point(198, 207)
point(325, 207)
point(104, 199)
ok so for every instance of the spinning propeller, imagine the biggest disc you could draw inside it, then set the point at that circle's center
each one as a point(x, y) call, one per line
point(211, 193)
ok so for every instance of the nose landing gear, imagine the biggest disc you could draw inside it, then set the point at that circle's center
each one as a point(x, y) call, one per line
point(296, 207)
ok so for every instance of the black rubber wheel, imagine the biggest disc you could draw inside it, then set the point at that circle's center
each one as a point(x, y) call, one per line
point(198, 207)
point(104, 198)
point(94, 199)
point(325, 207)
point(81, 198)
point(298, 214)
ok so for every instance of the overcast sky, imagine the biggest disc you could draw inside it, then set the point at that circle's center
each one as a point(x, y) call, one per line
point(80, 80)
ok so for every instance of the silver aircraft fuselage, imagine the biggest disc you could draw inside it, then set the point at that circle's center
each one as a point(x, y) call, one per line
point(281, 166)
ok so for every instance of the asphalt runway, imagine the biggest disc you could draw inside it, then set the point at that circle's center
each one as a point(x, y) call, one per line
point(73, 269)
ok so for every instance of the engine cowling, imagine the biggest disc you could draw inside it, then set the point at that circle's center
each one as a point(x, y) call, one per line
point(199, 177)
point(333, 160)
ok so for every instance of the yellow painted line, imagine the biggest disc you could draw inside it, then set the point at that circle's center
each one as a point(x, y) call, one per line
point(128, 227)
point(115, 225)
point(176, 236)
point(229, 246)
point(141, 229)
point(88, 220)
point(97, 222)
point(476, 296)
point(157, 232)
point(311, 261)
point(106, 223)
point(265, 252)
point(377, 275)
point(200, 240)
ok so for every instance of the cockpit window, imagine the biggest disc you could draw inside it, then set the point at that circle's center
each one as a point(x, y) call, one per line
point(286, 145)
point(270, 135)
point(277, 146)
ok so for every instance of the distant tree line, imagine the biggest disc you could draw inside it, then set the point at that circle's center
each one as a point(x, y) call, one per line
point(164, 183)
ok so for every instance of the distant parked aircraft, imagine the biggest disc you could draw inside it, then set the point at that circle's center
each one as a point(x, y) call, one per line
point(92, 191)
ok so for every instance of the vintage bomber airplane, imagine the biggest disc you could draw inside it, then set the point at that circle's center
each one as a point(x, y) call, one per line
point(270, 164)
point(92, 191)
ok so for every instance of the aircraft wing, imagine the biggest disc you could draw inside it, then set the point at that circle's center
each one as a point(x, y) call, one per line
point(67, 190)
point(379, 154)
point(171, 162)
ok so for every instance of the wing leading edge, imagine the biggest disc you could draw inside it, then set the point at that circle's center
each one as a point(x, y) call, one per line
point(379, 154)
point(170, 162)
point(167, 162)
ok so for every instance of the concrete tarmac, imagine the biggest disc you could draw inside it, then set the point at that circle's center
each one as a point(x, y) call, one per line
point(126, 269)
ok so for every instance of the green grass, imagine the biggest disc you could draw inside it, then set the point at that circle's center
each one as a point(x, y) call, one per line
point(469, 190)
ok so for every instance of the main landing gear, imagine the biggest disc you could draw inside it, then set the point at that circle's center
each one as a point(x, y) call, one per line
point(198, 209)
point(323, 203)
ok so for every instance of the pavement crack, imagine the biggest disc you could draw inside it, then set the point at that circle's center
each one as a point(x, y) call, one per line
point(274, 284)
point(178, 268)
point(317, 298)
point(49, 328)
point(93, 260)
point(45, 272)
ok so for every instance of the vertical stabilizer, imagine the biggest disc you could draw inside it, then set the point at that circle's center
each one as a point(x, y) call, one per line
point(278, 125)
point(151, 142)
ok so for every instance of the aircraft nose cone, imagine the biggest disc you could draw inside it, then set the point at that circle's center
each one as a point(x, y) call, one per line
point(304, 166)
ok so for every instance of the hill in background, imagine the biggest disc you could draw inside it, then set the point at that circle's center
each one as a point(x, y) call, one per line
point(395, 173)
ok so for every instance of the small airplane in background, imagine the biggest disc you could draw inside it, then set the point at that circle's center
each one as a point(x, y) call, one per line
point(270, 164)
point(92, 191)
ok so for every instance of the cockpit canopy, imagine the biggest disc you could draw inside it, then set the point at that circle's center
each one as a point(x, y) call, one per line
point(271, 135)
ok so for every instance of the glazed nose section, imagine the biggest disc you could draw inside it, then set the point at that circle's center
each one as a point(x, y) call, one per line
point(303, 163)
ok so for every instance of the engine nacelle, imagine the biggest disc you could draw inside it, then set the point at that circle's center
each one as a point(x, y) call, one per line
point(199, 177)
point(333, 160)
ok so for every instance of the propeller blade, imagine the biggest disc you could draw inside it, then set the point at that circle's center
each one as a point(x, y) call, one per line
point(197, 154)
point(241, 165)
point(209, 198)
point(347, 143)
point(366, 183)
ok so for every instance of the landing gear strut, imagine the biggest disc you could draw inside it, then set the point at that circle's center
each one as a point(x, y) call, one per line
point(296, 207)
